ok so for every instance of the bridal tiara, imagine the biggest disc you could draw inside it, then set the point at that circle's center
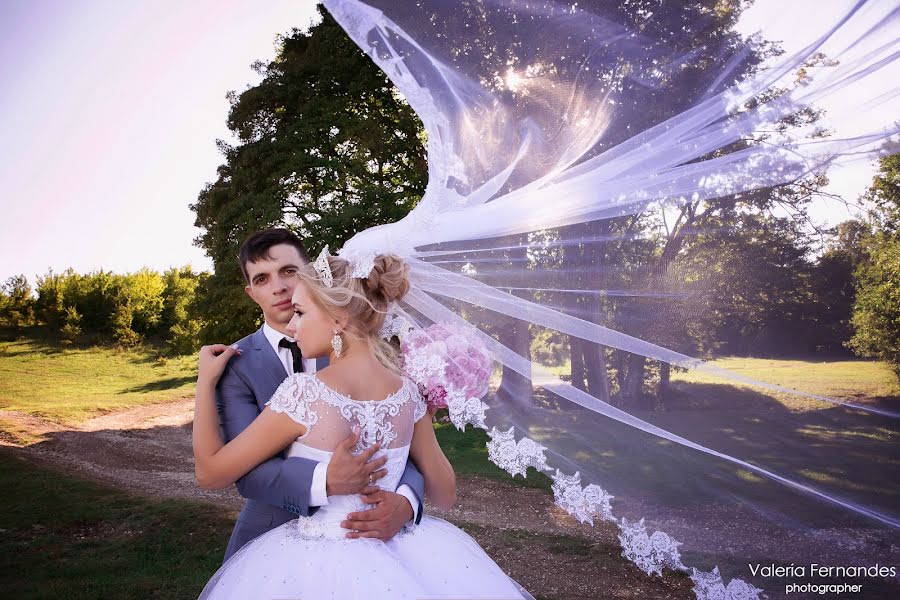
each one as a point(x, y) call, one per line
point(323, 268)
point(361, 263)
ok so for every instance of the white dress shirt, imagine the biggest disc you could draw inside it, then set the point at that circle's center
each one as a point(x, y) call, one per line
point(317, 493)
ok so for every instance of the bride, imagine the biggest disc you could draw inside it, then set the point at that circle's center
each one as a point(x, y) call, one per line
point(340, 314)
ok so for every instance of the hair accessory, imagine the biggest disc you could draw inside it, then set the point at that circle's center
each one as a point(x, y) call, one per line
point(361, 264)
point(361, 261)
point(323, 268)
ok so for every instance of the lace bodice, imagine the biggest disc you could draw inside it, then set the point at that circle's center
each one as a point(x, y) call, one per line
point(329, 416)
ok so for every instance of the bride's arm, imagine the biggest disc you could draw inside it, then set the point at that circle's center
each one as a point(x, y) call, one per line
point(216, 464)
point(440, 480)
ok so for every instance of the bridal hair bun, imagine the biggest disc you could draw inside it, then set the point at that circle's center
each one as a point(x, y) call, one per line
point(389, 277)
point(363, 300)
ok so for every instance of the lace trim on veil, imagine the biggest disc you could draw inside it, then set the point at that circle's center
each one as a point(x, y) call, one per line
point(650, 552)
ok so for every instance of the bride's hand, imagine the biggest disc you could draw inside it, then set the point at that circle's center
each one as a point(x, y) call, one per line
point(212, 360)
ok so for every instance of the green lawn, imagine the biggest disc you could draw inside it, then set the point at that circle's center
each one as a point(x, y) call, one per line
point(467, 452)
point(840, 379)
point(69, 385)
point(848, 380)
point(69, 538)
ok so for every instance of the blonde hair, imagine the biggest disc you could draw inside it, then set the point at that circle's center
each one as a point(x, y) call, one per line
point(364, 301)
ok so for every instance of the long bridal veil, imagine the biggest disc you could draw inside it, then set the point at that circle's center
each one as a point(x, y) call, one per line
point(601, 180)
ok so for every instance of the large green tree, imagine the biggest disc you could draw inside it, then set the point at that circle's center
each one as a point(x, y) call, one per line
point(876, 312)
point(705, 31)
point(325, 147)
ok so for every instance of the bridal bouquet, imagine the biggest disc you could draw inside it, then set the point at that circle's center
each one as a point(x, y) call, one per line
point(452, 367)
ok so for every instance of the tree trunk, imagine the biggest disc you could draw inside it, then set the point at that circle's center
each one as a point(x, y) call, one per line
point(632, 386)
point(515, 334)
point(576, 354)
point(665, 372)
point(514, 386)
point(597, 374)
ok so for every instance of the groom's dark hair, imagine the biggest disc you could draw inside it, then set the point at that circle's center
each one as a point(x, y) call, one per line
point(257, 246)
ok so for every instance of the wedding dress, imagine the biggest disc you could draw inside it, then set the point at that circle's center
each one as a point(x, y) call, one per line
point(310, 557)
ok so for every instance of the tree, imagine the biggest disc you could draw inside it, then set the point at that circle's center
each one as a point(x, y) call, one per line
point(833, 287)
point(16, 303)
point(326, 147)
point(705, 31)
point(104, 307)
point(177, 323)
point(876, 311)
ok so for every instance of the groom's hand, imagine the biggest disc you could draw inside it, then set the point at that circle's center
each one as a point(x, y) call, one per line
point(348, 473)
point(390, 511)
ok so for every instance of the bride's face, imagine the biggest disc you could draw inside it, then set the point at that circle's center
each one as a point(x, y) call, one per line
point(310, 326)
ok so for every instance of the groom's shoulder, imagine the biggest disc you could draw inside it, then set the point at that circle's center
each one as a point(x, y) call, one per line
point(246, 342)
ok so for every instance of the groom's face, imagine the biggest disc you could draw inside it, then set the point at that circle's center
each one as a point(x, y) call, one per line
point(272, 283)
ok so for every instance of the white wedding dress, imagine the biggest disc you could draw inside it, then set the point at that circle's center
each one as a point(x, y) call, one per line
point(310, 557)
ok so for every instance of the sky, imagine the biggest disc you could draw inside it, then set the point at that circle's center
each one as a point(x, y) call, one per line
point(108, 120)
point(109, 113)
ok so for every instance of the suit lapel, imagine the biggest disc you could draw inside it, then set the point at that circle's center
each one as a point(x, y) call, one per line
point(321, 363)
point(267, 359)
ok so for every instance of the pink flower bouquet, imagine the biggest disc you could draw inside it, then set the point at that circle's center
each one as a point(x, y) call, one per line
point(450, 364)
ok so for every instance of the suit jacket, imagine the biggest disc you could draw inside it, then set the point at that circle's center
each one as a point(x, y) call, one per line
point(278, 489)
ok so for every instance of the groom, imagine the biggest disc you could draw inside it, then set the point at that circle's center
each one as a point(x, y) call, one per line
point(281, 488)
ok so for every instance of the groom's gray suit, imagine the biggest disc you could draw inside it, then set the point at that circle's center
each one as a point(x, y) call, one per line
point(279, 489)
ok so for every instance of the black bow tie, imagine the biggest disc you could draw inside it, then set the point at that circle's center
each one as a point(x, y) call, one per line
point(295, 352)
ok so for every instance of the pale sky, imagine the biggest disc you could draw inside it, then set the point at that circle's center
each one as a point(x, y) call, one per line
point(109, 115)
point(110, 111)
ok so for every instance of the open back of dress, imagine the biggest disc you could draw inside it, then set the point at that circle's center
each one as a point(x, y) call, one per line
point(329, 417)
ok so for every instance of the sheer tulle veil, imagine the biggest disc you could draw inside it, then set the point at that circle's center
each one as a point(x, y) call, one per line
point(566, 142)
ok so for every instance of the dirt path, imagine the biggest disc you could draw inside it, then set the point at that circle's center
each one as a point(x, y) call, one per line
point(145, 450)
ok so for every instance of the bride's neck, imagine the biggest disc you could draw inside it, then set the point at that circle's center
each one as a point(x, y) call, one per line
point(355, 352)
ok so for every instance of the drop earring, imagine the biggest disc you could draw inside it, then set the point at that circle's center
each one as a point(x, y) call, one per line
point(337, 344)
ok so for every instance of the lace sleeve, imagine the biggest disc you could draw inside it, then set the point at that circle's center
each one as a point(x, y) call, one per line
point(420, 407)
point(294, 397)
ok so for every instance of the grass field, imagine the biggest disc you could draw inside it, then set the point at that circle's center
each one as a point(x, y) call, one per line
point(843, 379)
point(840, 379)
point(69, 385)
point(68, 538)
point(468, 454)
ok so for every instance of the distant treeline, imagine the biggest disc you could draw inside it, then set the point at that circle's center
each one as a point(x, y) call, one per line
point(792, 305)
point(104, 307)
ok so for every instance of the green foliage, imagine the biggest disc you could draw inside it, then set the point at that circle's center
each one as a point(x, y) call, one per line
point(71, 329)
point(176, 317)
point(548, 347)
point(226, 313)
point(16, 303)
point(103, 307)
point(832, 287)
point(876, 312)
point(750, 293)
point(327, 148)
